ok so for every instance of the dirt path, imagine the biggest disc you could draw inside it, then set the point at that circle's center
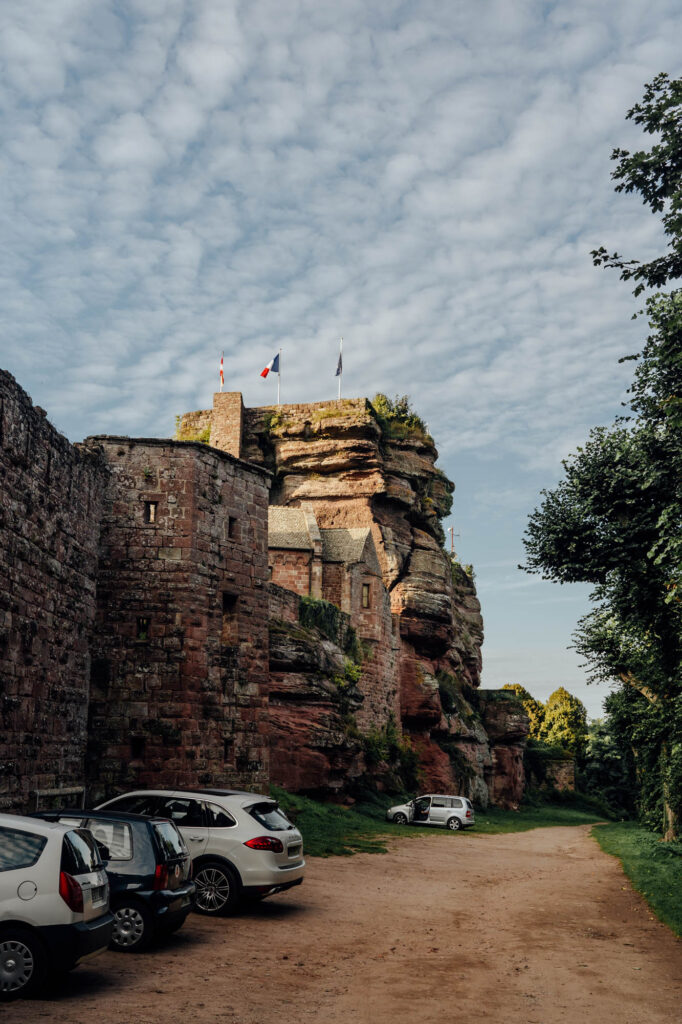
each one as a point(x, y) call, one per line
point(539, 927)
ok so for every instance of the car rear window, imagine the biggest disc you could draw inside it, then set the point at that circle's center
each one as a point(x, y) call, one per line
point(170, 840)
point(19, 849)
point(80, 855)
point(216, 817)
point(117, 835)
point(270, 816)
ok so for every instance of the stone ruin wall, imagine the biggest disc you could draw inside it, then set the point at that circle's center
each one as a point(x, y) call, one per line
point(51, 495)
point(182, 702)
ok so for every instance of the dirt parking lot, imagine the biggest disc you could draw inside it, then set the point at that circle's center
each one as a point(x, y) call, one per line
point(538, 927)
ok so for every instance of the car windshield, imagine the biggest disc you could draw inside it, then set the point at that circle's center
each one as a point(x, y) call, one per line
point(270, 816)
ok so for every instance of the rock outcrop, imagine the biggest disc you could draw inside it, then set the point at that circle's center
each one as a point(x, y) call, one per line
point(355, 468)
point(311, 704)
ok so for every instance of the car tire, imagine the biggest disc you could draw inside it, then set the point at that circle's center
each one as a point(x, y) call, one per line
point(218, 890)
point(23, 963)
point(133, 927)
point(454, 824)
point(400, 819)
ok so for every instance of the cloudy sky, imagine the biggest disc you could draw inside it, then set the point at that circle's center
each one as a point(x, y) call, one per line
point(424, 177)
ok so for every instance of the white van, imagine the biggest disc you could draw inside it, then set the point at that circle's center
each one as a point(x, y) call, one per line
point(453, 812)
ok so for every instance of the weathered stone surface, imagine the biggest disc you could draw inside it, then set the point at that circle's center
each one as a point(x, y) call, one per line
point(51, 495)
point(311, 706)
point(180, 662)
point(506, 724)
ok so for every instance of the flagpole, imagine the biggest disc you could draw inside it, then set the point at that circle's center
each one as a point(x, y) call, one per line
point(279, 374)
point(341, 358)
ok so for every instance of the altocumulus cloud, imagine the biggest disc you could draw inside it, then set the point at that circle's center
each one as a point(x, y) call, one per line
point(425, 178)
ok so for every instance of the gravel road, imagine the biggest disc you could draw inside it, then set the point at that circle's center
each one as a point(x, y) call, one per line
point(538, 927)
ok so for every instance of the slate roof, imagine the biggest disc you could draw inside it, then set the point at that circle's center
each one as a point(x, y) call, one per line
point(287, 528)
point(348, 546)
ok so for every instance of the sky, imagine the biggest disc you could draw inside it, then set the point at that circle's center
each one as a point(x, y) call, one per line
point(425, 179)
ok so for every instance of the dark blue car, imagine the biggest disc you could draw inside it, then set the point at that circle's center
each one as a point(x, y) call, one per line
point(149, 869)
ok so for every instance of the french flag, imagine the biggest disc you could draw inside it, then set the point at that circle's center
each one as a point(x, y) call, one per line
point(272, 365)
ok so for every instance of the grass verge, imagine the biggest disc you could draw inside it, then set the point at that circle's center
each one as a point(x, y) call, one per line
point(653, 867)
point(332, 830)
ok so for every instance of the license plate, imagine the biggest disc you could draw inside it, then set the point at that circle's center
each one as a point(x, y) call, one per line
point(98, 894)
point(294, 851)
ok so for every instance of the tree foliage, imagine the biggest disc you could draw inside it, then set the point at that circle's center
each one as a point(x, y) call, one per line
point(565, 722)
point(561, 722)
point(656, 174)
point(615, 519)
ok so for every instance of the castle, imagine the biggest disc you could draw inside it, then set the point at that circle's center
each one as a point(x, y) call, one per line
point(253, 602)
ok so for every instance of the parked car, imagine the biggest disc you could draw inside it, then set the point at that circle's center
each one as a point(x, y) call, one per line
point(453, 812)
point(54, 902)
point(242, 845)
point(149, 871)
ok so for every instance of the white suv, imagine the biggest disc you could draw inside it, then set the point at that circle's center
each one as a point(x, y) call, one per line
point(242, 845)
point(454, 812)
point(54, 901)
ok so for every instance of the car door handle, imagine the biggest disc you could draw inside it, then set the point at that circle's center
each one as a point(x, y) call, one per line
point(197, 839)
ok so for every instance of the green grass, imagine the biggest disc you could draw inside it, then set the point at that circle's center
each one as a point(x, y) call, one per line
point(332, 830)
point(653, 867)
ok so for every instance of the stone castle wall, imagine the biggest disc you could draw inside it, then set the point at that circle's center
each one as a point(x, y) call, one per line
point(51, 496)
point(180, 653)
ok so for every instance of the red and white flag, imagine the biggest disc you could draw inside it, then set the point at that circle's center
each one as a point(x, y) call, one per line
point(222, 375)
point(272, 365)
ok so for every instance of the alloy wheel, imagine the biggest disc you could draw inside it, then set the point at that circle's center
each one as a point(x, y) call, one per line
point(213, 889)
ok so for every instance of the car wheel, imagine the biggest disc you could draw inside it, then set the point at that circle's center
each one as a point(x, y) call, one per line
point(454, 824)
point(400, 819)
point(217, 889)
point(133, 928)
point(22, 963)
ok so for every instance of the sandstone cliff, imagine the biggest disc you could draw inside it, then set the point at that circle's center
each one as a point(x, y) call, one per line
point(358, 468)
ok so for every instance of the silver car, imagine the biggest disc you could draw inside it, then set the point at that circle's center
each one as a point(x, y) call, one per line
point(243, 847)
point(453, 812)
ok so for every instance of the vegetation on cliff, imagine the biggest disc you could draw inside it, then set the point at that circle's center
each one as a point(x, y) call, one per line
point(397, 418)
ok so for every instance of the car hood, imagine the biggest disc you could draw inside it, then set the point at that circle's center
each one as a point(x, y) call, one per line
point(399, 807)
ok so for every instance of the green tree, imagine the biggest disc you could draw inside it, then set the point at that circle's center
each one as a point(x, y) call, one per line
point(615, 519)
point(565, 722)
point(656, 174)
point(608, 766)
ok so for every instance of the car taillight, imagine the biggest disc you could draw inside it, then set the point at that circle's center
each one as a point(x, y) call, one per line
point(468, 814)
point(161, 877)
point(265, 843)
point(71, 892)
